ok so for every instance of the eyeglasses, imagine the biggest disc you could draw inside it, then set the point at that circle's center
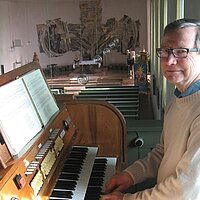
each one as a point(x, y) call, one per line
point(177, 53)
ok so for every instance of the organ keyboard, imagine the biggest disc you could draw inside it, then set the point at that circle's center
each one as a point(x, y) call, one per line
point(71, 158)
point(83, 175)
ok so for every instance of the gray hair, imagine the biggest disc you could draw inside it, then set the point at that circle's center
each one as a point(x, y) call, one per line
point(185, 23)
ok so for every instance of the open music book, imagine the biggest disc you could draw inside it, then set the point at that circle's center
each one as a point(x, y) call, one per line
point(26, 106)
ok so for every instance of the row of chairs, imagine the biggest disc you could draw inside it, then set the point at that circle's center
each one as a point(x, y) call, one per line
point(125, 98)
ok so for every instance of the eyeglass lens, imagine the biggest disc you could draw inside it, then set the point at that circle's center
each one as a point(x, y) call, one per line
point(178, 53)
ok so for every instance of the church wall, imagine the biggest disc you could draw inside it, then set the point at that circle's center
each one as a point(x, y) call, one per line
point(19, 33)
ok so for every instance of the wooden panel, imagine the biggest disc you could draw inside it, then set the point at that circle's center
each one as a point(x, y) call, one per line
point(14, 74)
point(101, 124)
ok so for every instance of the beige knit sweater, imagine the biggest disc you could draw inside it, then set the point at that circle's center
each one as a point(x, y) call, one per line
point(176, 160)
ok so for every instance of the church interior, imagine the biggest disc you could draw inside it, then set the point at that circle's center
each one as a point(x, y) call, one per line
point(79, 76)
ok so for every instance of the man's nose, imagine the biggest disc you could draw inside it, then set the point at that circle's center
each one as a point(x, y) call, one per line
point(171, 59)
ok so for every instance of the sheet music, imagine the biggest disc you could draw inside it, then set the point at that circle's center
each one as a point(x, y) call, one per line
point(19, 121)
point(41, 95)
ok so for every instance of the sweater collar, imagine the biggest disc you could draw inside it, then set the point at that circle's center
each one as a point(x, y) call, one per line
point(192, 89)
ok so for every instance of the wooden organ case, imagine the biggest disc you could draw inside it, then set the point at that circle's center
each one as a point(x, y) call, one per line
point(92, 126)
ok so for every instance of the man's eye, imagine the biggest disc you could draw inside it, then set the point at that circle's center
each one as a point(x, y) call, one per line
point(180, 51)
point(164, 51)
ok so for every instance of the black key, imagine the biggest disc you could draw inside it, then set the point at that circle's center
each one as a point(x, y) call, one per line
point(67, 185)
point(82, 149)
point(72, 167)
point(79, 156)
point(98, 174)
point(72, 170)
point(96, 181)
point(100, 160)
point(99, 166)
point(69, 176)
point(61, 194)
point(73, 164)
point(74, 161)
point(94, 190)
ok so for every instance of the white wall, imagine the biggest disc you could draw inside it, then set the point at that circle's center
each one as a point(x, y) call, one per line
point(18, 19)
point(5, 35)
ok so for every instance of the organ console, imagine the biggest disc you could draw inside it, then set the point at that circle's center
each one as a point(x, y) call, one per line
point(71, 157)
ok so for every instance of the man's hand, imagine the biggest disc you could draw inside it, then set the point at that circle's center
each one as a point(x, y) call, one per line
point(113, 196)
point(119, 182)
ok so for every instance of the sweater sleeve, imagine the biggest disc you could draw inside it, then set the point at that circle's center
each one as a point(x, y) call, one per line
point(147, 167)
point(184, 183)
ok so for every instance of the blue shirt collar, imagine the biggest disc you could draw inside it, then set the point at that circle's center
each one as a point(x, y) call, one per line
point(192, 89)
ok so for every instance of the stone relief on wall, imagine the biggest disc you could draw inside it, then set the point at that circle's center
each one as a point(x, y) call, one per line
point(53, 38)
point(90, 37)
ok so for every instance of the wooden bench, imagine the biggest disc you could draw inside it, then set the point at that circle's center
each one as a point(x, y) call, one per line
point(107, 91)
point(120, 95)
point(119, 102)
point(130, 111)
point(107, 98)
point(125, 98)
point(131, 105)
point(125, 88)
point(112, 87)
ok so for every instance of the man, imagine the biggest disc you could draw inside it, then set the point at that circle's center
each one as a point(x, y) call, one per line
point(175, 162)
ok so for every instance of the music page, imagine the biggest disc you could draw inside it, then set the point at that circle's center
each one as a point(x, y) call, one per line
point(41, 95)
point(19, 121)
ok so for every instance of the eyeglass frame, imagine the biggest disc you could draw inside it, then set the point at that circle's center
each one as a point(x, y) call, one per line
point(171, 50)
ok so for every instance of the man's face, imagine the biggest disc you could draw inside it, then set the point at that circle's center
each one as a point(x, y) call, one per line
point(181, 71)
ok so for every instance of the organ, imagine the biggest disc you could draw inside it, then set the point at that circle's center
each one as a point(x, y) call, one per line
point(77, 148)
